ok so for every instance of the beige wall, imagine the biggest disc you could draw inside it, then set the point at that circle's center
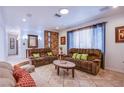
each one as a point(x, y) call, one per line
point(114, 51)
point(2, 37)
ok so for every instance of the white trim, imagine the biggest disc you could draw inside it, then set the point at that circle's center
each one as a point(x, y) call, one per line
point(114, 69)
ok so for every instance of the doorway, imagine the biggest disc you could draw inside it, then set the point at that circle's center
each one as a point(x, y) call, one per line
point(12, 44)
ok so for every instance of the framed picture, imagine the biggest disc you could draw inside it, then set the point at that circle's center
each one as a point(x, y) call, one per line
point(63, 40)
point(32, 41)
point(119, 34)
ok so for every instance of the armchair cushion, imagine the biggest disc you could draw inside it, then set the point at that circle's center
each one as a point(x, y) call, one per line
point(6, 77)
point(6, 82)
point(6, 65)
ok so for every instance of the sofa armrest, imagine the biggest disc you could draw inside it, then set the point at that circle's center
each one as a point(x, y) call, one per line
point(96, 66)
point(96, 60)
point(22, 63)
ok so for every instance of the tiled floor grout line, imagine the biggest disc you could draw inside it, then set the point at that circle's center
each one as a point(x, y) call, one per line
point(63, 78)
point(77, 79)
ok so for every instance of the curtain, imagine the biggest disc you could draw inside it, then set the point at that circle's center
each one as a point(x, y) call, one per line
point(90, 37)
point(70, 40)
point(99, 36)
point(85, 38)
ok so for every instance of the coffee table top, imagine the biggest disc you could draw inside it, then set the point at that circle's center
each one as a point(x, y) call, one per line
point(63, 64)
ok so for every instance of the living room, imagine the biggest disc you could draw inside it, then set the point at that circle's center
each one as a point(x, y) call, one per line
point(37, 38)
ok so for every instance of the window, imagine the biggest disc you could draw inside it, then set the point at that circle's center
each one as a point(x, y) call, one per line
point(90, 37)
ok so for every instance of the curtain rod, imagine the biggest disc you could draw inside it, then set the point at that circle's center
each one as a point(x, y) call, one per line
point(85, 27)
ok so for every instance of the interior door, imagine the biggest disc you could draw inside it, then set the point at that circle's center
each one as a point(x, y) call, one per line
point(12, 44)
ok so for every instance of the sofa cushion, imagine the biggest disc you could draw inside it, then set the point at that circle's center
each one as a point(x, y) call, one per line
point(84, 56)
point(74, 55)
point(6, 65)
point(7, 76)
point(91, 57)
point(6, 82)
point(5, 73)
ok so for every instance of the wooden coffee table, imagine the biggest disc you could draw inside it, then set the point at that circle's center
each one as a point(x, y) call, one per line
point(65, 65)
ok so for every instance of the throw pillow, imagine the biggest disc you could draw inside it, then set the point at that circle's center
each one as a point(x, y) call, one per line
point(26, 81)
point(84, 56)
point(36, 55)
point(49, 53)
point(19, 73)
point(74, 55)
point(23, 78)
point(78, 56)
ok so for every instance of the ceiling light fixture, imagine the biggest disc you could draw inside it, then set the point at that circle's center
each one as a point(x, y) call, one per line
point(57, 28)
point(24, 20)
point(64, 11)
point(115, 6)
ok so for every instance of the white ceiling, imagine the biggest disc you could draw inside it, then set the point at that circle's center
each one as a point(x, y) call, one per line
point(43, 16)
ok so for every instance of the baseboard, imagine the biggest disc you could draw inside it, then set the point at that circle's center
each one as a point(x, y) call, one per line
point(114, 69)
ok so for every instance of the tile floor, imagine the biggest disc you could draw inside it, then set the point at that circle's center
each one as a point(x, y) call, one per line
point(46, 76)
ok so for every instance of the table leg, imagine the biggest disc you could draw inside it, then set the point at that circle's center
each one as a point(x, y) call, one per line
point(57, 70)
point(73, 72)
point(55, 67)
point(67, 70)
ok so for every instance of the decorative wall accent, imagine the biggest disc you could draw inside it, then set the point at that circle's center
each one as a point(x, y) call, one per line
point(32, 41)
point(52, 41)
point(63, 40)
point(119, 34)
point(12, 44)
